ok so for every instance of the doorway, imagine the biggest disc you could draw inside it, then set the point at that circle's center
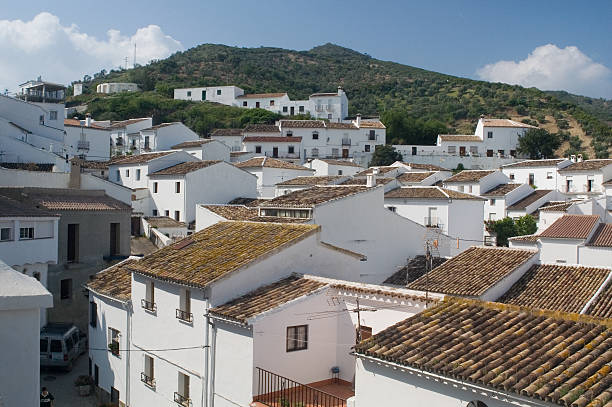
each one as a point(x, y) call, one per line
point(73, 243)
point(414, 151)
point(292, 110)
point(275, 152)
point(461, 151)
point(114, 238)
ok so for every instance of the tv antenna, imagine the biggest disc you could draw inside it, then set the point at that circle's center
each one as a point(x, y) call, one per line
point(134, 65)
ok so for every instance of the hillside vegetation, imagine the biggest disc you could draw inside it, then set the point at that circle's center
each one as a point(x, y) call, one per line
point(399, 92)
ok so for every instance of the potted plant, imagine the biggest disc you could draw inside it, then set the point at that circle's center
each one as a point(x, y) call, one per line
point(113, 347)
point(84, 383)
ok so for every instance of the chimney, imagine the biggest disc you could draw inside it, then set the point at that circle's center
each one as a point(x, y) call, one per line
point(340, 90)
point(573, 158)
point(74, 181)
point(579, 158)
point(88, 120)
point(371, 178)
point(358, 120)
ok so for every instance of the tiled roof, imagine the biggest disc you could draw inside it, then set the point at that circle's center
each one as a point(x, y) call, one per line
point(28, 166)
point(413, 177)
point(428, 167)
point(226, 132)
point(268, 162)
point(271, 139)
point(324, 94)
point(473, 272)
point(80, 203)
point(555, 206)
point(211, 253)
point(163, 222)
point(92, 165)
point(555, 287)
point(602, 236)
point(459, 137)
point(192, 144)
point(602, 306)
point(524, 238)
point(340, 162)
point(262, 95)
point(115, 281)
point(313, 180)
point(429, 192)
point(233, 212)
point(278, 219)
point(529, 199)
point(571, 227)
point(563, 359)
point(77, 123)
point(305, 124)
point(251, 202)
point(371, 124)
point(310, 197)
point(415, 268)
point(186, 167)
point(10, 208)
point(123, 123)
point(364, 181)
point(381, 171)
point(267, 298)
point(535, 163)
point(261, 128)
point(334, 125)
point(501, 190)
point(587, 165)
point(139, 158)
point(505, 123)
point(161, 125)
point(469, 176)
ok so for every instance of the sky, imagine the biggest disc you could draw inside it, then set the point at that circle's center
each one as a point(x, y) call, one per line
point(552, 45)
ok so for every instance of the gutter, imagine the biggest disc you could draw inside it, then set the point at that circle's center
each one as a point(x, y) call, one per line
point(496, 394)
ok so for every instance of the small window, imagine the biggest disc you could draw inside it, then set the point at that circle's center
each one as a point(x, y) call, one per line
point(188, 93)
point(367, 148)
point(182, 395)
point(372, 135)
point(66, 289)
point(177, 216)
point(549, 175)
point(291, 149)
point(489, 153)
point(470, 189)
point(461, 188)
point(44, 345)
point(155, 187)
point(297, 338)
point(26, 233)
point(244, 104)
point(53, 115)
point(284, 109)
point(56, 346)
point(5, 234)
point(41, 119)
point(271, 103)
point(118, 175)
point(148, 376)
point(490, 134)
point(257, 105)
point(167, 212)
point(177, 187)
point(392, 208)
point(491, 201)
point(301, 109)
point(113, 344)
point(155, 212)
point(452, 149)
point(218, 92)
point(138, 175)
point(339, 172)
point(258, 149)
point(315, 152)
point(289, 134)
point(511, 176)
point(93, 314)
point(492, 216)
point(127, 173)
point(315, 136)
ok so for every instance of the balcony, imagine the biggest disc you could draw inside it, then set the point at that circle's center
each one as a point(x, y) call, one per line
point(432, 222)
point(149, 381)
point(148, 305)
point(182, 400)
point(184, 315)
point(83, 145)
point(586, 189)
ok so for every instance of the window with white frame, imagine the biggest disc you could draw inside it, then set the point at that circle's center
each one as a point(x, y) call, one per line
point(53, 115)
point(181, 396)
point(297, 338)
point(5, 234)
point(315, 152)
point(26, 233)
point(148, 375)
point(549, 175)
point(177, 187)
point(113, 341)
point(315, 135)
point(257, 149)
point(489, 134)
point(452, 149)
point(183, 313)
point(155, 187)
point(127, 173)
point(138, 174)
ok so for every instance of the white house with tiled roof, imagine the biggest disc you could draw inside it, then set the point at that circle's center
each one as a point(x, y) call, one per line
point(205, 149)
point(475, 181)
point(87, 140)
point(225, 95)
point(123, 131)
point(271, 171)
point(500, 197)
point(585, 178)
point(161, 137)
point(543, 174)
point(330, 166)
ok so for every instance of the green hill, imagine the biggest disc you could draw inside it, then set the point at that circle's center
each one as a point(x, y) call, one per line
point(427, 99)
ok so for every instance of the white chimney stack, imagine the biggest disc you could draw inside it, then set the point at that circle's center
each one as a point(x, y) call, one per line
point(358, 120)
point(371, 178)
point(340, 90)
point(88, 120)
point(579, 158)
point(573, 158)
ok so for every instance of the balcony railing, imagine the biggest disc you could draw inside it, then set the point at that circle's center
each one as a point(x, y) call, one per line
point(184, 315)
point(149, 381)
point(83, 145)
point(182, 400)
point(277, 391)
point(573, 189)
point(432, 222)
point(148, 305)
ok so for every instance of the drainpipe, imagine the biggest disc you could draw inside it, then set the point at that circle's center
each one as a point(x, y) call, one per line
point(128, 309)
point(204, 402)
point(211, 393)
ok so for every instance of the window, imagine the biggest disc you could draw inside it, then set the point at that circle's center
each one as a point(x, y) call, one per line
point(155, 187)
point(138, 174)
point(297, 338)
point(492, 216)
point(113, 344)
point(257, 149)
point(315, 152)
point(148, 302)
point(148, 376)
point(491, 201)
point(335, 152)
point(315, 136)
point(473, 150)
point(284, 109)
point(372, 135)
point(66, 289)
point(218, 91)
point(452, 149)
point(146, 142)
point(489, 134)
point(96, 374)
point(5, 234)
point(41, 119)
point(166, 212)
point(531, 179)
point(489, 153)
point(177, 215)
point(177, 187)
point(511, 176)
point(155, 212)
point(93, 314)
point(549, 175)
point(118, 175)
point(127, 173)
point(36, 275)
point(183, 313)
point(339, 172)
point(44, 345)
point(271, 103)
point(501, 152)
point(188, 93)
point(53, 115)
point(392, 208)
point(26, 233)
point(470, 189)
point(461, 188)
point(513, 153)
point(204, 95)
point(301, 109)
point(182, 395)
point(329, 116)
point(244, 104)
point(291, 149)
point(367, 148)
point(257, 105)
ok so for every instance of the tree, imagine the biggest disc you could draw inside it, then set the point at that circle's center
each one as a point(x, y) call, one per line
point(525, 225)
point(538, 143)
point(508, 227)
point(385, 155)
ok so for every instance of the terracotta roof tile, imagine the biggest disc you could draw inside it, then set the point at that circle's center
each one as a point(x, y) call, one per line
point(602, 306)
point(115, 281)
point(310, 197)
point(93, 165)
point(271, 139)
point(459, 137)
point(211, 253)
point(473, 272)
point(525, 238)
point(10, 208)
point(429, 192)
point(268, 162)
point(163, 222)
point(428, 167)
point(186, 167)
point(381, 171)
point(250, 202)
point(556, 206)
point(77, 123)
point(267, 298)
point(161, 125)
point(416, 267)
point(414, 177)
point(226, 132)
point(56, 199)
point(304, 124)
point(192, 144)
point(340, 162)
point(365, 124)
point(123, 123)
point(364, 181)
point(262, 95)
point(571, 227)
point(587, 165)
point(28, 166)
point(535, 163)
point(469, 176)
point(278, 219)
point(529, 199)
point(555, 287)
point(261, 128)
point(505, 123)
point(233, 212)
point(501, 190)
point(313, 180)
point(561, 358)
point(139, 158)
point(334, 125)
point(602, 236)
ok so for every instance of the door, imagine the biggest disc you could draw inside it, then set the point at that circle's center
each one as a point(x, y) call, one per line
point(461, 151)
point(136, 226)
point(275, 152)
point(414, 151)
point(292, 110)
point(203, 95)
point(73, 243)
point(345, 153)
point(114, 238)
point(432, 219)
point(531, 179)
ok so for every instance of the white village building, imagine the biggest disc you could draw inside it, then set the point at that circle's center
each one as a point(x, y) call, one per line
point(330, 166)
point(475, 182)
point(271, 171)
point(125, 134)
point(87, 140)
point(543, 174)
point(205, 149)
point(117, 87)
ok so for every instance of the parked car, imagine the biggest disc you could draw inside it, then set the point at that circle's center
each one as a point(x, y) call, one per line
point(61, 344)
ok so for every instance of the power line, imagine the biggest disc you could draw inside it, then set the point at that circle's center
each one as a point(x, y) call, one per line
point(151, 350)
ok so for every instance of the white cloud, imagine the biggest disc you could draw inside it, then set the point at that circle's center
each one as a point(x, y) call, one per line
point(43, 46)
point(549, 67)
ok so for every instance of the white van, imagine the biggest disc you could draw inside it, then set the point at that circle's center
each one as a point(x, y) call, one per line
point(61, 344)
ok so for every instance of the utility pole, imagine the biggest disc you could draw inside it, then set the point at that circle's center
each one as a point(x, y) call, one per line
point(428, 264)
point(126, 61)
point(134, 65)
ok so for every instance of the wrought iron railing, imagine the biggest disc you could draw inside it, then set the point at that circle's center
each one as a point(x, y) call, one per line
point(82, 145)
point(182, 400)
point(149, 381)
point(184, 315)
point(432, 222)
point(148, 305)
point(277, 391)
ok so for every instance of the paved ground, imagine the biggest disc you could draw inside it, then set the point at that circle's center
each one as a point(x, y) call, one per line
point(61, 385)
point(141, 246)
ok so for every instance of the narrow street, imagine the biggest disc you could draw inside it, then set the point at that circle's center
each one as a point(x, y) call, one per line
point(61, 385)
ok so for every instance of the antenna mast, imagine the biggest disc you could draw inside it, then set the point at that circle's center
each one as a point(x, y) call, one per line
point(134, 65)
